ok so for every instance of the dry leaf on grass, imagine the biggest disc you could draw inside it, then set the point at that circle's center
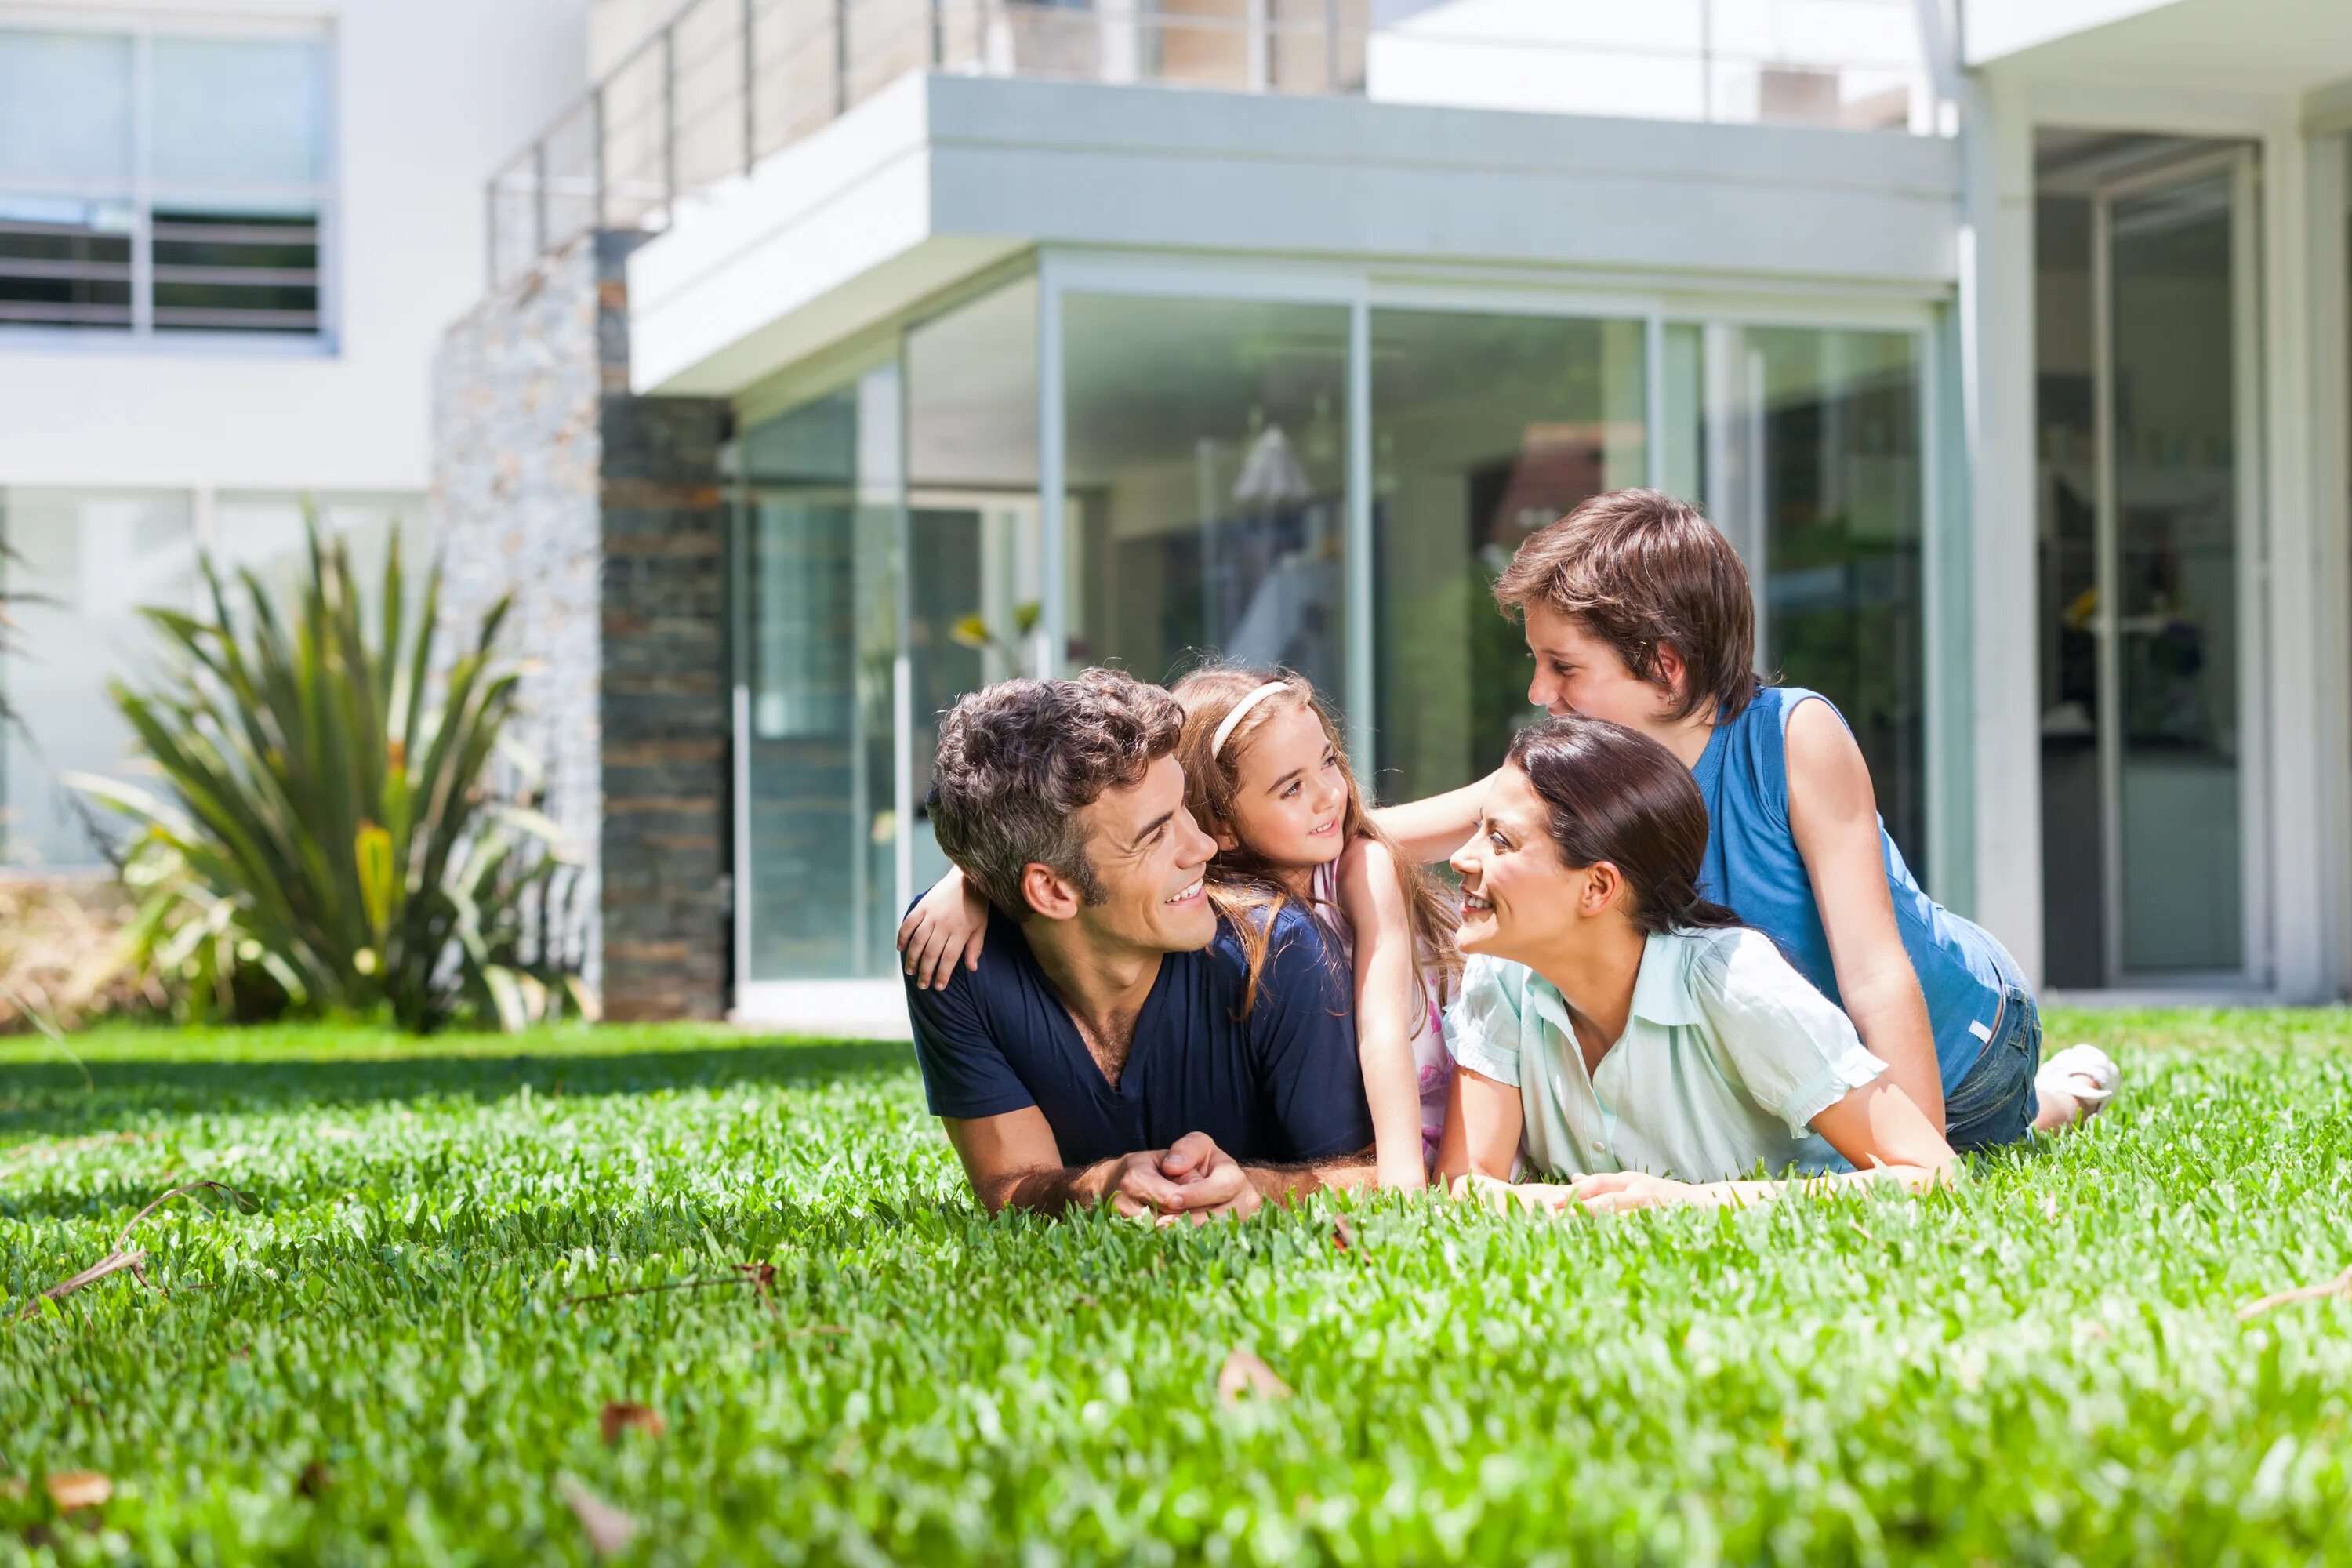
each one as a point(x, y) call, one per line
point(315, 1478)
point(1343, 1235)
point(758, 1276)
point(71, 1490)
point(113, 1263)
point(621, 1416)
point(124, 1255)
point(2339, 1286)
point(608, 1528)
point(762, 1277)
point(1245, 1372)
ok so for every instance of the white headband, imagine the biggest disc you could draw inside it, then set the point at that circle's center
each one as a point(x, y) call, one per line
point(1226, 729)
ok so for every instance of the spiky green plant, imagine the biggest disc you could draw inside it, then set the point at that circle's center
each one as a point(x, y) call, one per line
point(329, 837)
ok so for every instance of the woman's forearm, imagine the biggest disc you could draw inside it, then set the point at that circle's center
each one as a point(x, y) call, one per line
point(1914, 1179)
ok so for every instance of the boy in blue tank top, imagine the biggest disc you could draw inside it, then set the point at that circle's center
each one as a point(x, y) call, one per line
point(1638, 610)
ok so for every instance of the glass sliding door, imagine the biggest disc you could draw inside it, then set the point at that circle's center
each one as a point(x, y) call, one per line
point(2067, 487)
point(1484, 427)
point(2173, 315)
point(78, 567)
point(2147, 366)
point(1206, 468)
point(975, 594)
point(1807, 444)
point(819, 523)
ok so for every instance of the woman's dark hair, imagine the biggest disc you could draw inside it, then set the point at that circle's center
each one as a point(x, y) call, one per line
point(1612, 794)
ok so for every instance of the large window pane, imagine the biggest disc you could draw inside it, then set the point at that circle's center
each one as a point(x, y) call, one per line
point(1829, 426)
point(1484, 429)
point(973, 590)
point(65, 108)
point(820, 519)
point(2175, 624)
point(228, 140)
point(81, 564)
point(66, 163)
point(266, 531)
point(2073, 819)
point(237, 111)
point(1207, 461)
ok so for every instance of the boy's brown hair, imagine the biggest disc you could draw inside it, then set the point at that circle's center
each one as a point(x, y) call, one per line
point(1638, 569)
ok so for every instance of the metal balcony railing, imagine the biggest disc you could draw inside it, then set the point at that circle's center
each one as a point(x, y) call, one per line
point(724, 83)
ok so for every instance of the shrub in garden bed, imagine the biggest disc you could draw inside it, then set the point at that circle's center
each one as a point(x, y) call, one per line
point(330, 835)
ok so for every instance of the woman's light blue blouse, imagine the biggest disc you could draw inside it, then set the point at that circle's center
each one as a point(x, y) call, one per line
point(1728, 1057)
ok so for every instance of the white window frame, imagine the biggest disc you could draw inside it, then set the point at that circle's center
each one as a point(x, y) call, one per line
point(142, 29)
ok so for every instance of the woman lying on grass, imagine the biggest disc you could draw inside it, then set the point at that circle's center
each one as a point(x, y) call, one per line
point(1615, 1023)
point(1637, 610)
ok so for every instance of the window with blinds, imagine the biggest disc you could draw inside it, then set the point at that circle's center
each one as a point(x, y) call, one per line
point(162, 181)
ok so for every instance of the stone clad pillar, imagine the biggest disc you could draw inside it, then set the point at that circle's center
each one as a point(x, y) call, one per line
point(602, 513)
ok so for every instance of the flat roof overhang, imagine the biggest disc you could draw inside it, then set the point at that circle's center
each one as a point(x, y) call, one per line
point(2259, 46)
point(938, 178)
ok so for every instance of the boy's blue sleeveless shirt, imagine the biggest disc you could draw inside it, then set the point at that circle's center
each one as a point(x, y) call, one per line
point(1752, 866)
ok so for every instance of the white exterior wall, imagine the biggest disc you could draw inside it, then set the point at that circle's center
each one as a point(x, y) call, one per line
point(427, 96)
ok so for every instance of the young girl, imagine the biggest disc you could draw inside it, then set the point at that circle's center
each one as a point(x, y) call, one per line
point(1638, 610)
point(1266, 776)
point(1616, 1026)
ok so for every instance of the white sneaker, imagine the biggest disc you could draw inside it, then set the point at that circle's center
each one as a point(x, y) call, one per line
point(2085, 1072)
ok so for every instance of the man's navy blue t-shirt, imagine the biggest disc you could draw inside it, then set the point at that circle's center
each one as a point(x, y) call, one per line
point(1281, 1085)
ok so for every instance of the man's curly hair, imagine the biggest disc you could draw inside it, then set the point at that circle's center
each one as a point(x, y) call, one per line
point(1018, 761)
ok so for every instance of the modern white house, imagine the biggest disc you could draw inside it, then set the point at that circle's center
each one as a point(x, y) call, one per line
point(231, 236)
point(832, 357)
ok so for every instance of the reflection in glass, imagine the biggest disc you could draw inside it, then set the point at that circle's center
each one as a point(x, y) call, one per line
point(1683, 438)
point(1207, 461)
point(1826, 491)
point(2175, 624)
point(81, 566)
point(974, 572)
point(263, 531)
point(2073, 820)
point(1484, 428)
point(237, 111)
point(820, 519)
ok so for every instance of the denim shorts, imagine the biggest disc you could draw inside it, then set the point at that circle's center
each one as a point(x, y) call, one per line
point(1994, 1102)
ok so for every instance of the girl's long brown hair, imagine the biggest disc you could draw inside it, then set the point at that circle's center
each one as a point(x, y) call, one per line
point(1244, 888)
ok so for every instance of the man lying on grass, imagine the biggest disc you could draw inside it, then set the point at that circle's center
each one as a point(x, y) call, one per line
point(1613, 1022)
point(1100, 1050)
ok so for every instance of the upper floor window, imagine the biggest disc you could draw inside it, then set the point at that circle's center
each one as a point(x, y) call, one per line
point(163, 180)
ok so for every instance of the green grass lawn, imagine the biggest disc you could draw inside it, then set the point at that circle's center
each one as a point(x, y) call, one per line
point(387, 1357)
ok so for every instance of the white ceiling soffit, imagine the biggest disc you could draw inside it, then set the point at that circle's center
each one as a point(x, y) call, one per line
point(2262, 46)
